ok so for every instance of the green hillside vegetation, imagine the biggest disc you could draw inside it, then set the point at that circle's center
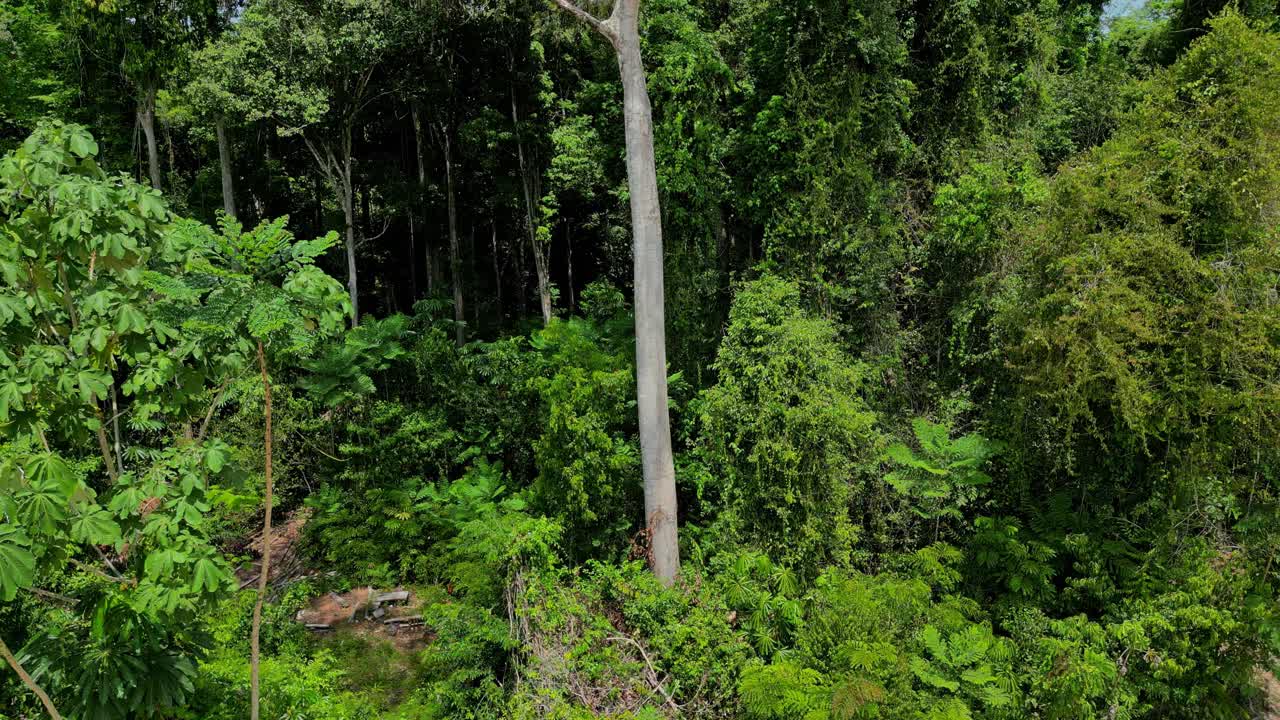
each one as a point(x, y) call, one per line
point(741, 359)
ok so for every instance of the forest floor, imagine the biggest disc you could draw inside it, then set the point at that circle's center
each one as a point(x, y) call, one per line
point(399, 623)
point(378, 651)
point(376, 643)
point(1271, 688)
point(286, 563)
point(353, 611)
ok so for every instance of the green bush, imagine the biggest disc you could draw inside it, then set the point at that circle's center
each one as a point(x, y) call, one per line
point(784, 432)
point(612, 639)
point(887, 645)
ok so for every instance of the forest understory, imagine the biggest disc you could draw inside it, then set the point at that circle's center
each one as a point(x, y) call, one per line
point(639, 359)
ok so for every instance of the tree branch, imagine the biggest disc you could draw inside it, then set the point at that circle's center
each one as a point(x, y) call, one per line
point(99, 572)
point(600, 26)
point(204, 426)
point(53, 596)
point(28, 681)
point(653, 674)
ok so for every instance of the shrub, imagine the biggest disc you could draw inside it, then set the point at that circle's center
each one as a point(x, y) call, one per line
point(785, 432)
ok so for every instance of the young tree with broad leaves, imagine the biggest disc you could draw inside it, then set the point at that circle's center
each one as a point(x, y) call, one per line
point(263, 296)
point(90, 340)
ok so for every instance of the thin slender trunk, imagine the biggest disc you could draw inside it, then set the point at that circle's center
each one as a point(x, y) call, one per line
point(541, 265)
point(224, 161)
point(365, 215)
point(623, 32)
point(455, 256)
point(475, 276)
point(497, 268)
point(416, 111)
point(349, 207)
point(28, 681)
point(104, 447)
point(337, 170)
point(568, 244)
point(168, 141)
point(413, 262)
point(147, 118)
point(319, 197)
point(110, 462)
point(265, 570)
point(115, 423)
point(522, 274)
point(348, 217)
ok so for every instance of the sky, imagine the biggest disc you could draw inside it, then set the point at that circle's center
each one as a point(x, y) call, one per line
point(1119, 8)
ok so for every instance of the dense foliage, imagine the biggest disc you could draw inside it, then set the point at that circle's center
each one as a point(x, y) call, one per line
point(973, 315)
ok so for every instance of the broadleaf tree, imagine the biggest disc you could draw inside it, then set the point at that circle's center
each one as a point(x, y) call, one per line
point(88, 322)
point(264, 295)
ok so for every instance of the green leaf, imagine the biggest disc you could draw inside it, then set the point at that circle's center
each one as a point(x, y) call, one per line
point(215, 457)
point(81, 142)
point(17, 564)
point(48, 471)
point(93, 384)
point(932, 639)
point(99, 337)
point(43, 510)
point(162, 562)
point(129, 319)
point(96, 528)
point(11, 397)
point(151, 205)
point(928, 675)
point(208, 575)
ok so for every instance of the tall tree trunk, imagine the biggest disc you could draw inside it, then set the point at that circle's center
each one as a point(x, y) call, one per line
point(28, 681)
point(528, 183)
point(497, 268)
point(366, 216)
point(522, 275)
point(348, 212)
point(147, 118)
point(568, 244)
point(413, 262)
point(224, 161)
point(265, 571)
point(168, 141)
point(415, 109)
point(349, 219)
point(319, 198)
point(623, 32)
point(473, 266)
point(455, 257)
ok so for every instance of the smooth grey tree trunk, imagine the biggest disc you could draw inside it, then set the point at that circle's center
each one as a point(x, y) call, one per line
point(413, 262)
point(147, 118)
point(348, 191)
point(568, 244)
point(622, 29)
point(455, 256)
point(529, 183)
point(348, 216)
point(337, 169)
point(497, 267)
point(224, 160)
point(416, 111)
